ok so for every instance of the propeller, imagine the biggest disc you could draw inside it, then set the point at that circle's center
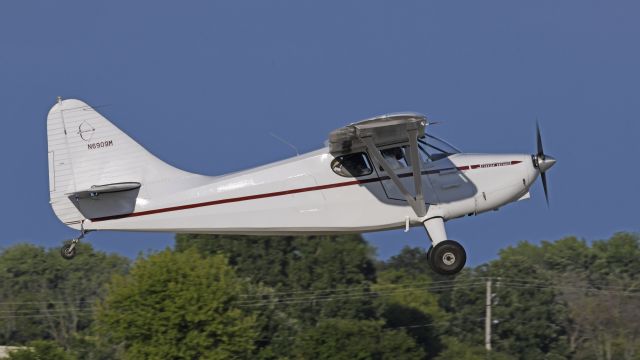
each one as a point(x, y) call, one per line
point(543, 162)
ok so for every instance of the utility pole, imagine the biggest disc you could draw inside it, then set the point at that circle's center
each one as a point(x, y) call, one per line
point(487, 318)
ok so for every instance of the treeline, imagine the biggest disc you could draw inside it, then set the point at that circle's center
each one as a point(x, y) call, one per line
point(320, 297)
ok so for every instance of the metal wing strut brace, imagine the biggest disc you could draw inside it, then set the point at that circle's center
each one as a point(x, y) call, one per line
point(417, 203)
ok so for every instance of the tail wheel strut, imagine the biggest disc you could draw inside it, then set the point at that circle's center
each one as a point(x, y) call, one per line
point(68, 250)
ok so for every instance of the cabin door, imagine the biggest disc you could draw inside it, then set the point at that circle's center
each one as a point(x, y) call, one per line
point(400, 161)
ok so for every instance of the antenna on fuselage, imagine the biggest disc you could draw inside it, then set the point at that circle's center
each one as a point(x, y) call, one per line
point(285, 142)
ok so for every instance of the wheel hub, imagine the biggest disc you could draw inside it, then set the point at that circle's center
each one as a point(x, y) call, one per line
point(448, 258)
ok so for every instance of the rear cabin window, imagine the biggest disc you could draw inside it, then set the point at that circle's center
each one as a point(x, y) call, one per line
point(352, 165)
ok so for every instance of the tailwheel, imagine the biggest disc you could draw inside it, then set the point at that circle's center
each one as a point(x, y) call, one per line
point(447, 257)
point(68, 250)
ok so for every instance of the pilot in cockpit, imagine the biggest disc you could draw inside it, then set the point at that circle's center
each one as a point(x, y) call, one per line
point(395, 158)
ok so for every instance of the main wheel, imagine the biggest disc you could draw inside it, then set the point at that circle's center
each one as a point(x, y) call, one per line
point(447, 257)
point(68, 251)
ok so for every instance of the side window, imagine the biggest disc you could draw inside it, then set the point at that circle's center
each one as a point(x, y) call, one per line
point(351, 165)
point(396, 157)
point(399, 157)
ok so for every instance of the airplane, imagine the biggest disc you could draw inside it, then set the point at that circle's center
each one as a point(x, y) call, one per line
point(386, 172)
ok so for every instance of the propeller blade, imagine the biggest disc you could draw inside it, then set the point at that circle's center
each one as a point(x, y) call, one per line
point(544, 185)
point(539, 138)
point(543, 162)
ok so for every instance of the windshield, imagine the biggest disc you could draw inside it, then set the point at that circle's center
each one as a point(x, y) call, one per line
point(436, 149)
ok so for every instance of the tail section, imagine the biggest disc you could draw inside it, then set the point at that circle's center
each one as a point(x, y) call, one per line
point(88, 154)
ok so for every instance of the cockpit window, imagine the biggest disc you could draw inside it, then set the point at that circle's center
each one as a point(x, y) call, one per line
point(352, 165)
point(436, 149)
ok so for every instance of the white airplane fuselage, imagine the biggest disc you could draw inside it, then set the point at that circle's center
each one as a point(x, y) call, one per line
point(303, 195)
point(380, 173)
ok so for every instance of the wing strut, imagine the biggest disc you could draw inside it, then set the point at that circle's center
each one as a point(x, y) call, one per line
point(416, 203)
point(381, 131)
point(417, 173)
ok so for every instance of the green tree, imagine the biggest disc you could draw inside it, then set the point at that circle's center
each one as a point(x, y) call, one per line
point(291, 262)
point(567, 255)
point(311, 278)
point(594, 290)
point(411, 260)
point(456, 350)
point(178, 306)
point(408, 298)
point(465, 304)
point(354, 339)
point(617, 258)
point(41, 350)
point(603, 300)
point(89, 346)
point(529, 320)
point(43, 296)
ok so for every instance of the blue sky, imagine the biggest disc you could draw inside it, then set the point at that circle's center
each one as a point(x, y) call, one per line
point(201, 84)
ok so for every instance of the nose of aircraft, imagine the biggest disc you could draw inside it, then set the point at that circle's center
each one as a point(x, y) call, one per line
point(545, 162)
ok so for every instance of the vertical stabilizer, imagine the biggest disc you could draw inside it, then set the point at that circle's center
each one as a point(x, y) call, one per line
point(86, 150)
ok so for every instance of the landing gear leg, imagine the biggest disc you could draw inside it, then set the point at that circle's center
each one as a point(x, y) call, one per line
point(446, 257)
point(68, 250)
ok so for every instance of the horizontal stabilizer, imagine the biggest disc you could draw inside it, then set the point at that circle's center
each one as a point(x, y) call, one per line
point(106, 200)
point(96, 190)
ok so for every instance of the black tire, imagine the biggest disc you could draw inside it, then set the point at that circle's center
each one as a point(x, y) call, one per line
point(429, 254)
point(67, 251)
point(447, 257)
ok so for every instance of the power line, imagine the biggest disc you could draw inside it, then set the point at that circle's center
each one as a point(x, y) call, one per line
point(378, 289)
point(428, 285)
point(585, 289)
point(42, 310)
point(363, 286)
point(44, 302)
point(466, 284)
point(372, 287)
point(84, 312)
point(351, 293)
point(288, 301)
